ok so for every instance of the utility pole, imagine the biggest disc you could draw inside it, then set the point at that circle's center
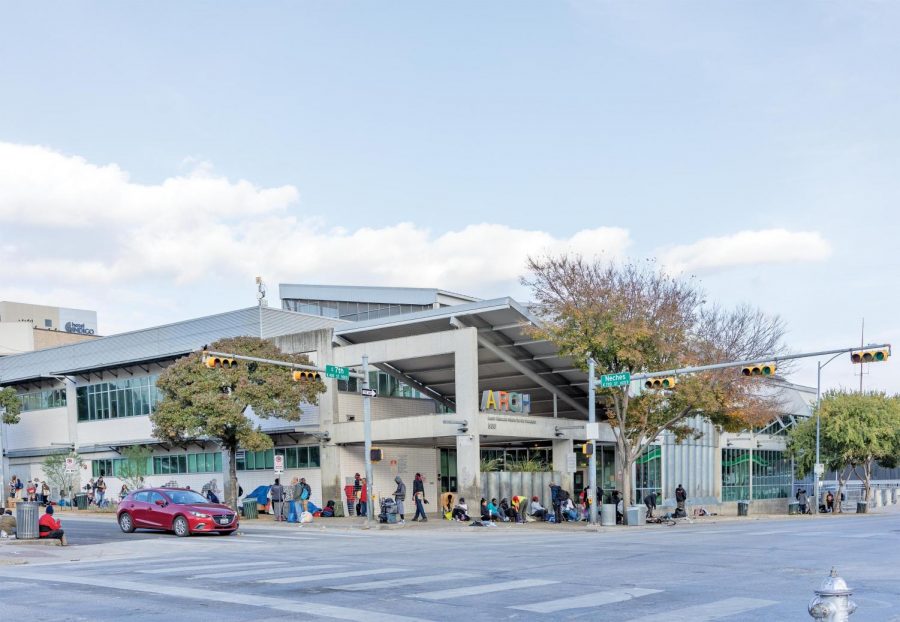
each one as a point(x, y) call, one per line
point(592, 461)
point(367, 431)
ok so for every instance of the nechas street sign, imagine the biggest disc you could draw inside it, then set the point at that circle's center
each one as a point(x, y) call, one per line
point(505, 401)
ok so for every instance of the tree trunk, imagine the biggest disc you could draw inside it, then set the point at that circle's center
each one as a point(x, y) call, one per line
point(867, 478)
point(232, 478)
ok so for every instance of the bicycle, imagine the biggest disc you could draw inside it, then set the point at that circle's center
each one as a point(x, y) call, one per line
point(662, 520)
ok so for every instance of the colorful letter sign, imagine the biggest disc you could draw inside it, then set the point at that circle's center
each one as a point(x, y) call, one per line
point(506, 401)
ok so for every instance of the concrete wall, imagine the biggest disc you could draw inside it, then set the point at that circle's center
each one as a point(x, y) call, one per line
point(38, 428)
point(350, 405)
point(402, 461)
point(16, 337)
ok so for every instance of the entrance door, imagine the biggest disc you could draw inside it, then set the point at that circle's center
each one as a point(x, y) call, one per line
point(448, 470)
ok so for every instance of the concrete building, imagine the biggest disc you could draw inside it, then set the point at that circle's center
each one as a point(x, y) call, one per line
point(26, 327)
point(462, 384)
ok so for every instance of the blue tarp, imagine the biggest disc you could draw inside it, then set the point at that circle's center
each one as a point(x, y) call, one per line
point(261, 493)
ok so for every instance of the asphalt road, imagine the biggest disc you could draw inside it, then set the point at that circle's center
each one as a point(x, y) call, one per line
point(747, 571)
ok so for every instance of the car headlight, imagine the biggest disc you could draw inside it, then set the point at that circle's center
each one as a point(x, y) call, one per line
point(199, 514)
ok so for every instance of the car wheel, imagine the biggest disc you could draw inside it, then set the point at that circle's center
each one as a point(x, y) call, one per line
point(126, 524)
point(180, 525)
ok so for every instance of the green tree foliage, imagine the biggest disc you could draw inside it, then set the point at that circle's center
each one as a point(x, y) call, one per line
point(200, 402)
point(54, 467)
point(857, 430)
point(10, 405)
point(634, 318)
point(135, 466)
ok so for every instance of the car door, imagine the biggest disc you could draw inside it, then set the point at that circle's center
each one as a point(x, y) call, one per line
point(136, 505)
point(157, 513)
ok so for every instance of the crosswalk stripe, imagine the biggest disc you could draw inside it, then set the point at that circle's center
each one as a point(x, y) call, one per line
point(332, 575)
point(274, 537)
point(487, 588)
point(709, 611)
point(260, 571)
point(207, 566)
point(389, 583)
point(586, 600)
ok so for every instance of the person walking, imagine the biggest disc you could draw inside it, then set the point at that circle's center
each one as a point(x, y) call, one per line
point(277, 494)
point(419, 497)
point(680, 499)
point(555, 501)
point(400, 497)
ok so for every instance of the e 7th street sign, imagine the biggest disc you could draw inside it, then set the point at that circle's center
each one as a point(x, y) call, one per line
point(341, 373)
point(608, 381)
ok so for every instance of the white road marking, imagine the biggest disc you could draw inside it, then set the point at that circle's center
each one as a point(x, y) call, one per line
point(235, 598)
point(208, 566)
point(389, 583)
point(586, 600)
point(485, 588)
point(297, 537)
point(259, 571)
point(709, 611)
point(332, 575)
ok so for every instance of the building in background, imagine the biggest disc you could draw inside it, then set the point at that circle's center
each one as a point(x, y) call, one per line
point(25, 327)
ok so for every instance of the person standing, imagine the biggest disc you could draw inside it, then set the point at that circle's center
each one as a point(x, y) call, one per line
point(45, 493)
point(277, 494)
point(803, 500)
point(680, 499)
point(555, 501)
point(829, 502)
point(357, 486)
point(650, 502)
point(305, 494)
point(400, 497)
point(419, 497)
point(100, 492)
point(364, 498)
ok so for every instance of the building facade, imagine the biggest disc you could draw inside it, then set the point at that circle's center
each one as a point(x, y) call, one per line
point(25, 327)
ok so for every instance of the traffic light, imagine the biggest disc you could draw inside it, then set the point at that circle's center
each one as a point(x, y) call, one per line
point(766, 369)
point(667, 382)
point(303, 375)
point(870, 356)
point(375, 454)
point(587, 449)
point(218, 361)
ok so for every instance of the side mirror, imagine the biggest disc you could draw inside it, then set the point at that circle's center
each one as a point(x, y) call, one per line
point(161, 503)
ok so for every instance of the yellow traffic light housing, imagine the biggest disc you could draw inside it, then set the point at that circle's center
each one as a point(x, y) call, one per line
point(668, 382)
point(218, 361)
point(303, 375)
point(764, 369)
point(587, 449)
point(870, 356)
point(376, 454)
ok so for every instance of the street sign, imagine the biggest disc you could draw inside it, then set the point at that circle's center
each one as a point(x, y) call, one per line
point(369, 392)
point(341, 373)
point(571, 463)
point(820, 469)
point(71, 467)
point(608, 381)
point(279, 464)
point(592, 432)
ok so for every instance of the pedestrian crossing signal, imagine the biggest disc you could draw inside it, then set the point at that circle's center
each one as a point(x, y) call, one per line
point(376, 454)
point(668, 382)
point(302, 375)
point(587, 449)
point(218, 361)
point(766, 369)
point(870, 356)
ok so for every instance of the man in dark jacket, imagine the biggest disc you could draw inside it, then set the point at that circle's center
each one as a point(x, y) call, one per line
point(419, 498)
point(555, 501)
point(277, 494)
point(400, 497)
point(680, 498)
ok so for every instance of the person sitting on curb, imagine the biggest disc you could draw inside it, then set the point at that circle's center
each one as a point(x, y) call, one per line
point(536, 510)
point(508, 512)
point(494, 512)
point(461, 511)
point(8, 524)
point(50, 527)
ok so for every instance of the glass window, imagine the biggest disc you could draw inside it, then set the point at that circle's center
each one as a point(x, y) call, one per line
point(192, 463)
point(290, 458)
point(647, 471)
point(125, 397)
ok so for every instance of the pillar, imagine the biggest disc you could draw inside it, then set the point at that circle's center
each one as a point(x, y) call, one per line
point(468, 445)
point(562, 449)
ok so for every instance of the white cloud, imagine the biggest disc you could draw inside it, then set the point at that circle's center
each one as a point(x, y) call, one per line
point(767, 246)
point(67, 221)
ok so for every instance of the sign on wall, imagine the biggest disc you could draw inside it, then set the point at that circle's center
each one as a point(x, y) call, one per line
point(279, 464)
point(505, 401)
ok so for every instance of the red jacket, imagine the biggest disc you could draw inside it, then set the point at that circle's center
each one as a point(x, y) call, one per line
point(47, 524)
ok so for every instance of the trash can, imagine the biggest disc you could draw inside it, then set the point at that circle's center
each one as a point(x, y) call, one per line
point(249, 508)
point(861, 507)
point(635, 515)
point(608, 514)
point(793, 508)
point(81, 501)
point(744, 508)
point(27, 516)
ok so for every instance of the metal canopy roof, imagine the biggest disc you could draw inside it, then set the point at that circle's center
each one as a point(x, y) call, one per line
point(510, 358)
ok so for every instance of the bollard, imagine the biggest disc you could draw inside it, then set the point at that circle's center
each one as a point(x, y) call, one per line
point(876, 498)
point(894, 496)
point(832, 601)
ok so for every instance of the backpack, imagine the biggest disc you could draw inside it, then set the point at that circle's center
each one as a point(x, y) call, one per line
point(211, 496)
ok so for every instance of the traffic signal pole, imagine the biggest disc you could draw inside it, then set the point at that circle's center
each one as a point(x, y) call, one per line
point(367, 431)
point(592, 460)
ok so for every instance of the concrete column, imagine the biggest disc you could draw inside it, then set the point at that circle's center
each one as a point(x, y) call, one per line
point(561, 449)
point(468, 446)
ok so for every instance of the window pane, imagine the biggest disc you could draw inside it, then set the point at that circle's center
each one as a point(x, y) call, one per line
point(250, 459)
point(192, 463)
point(182, 464)
point(302, 457)
point(217, 462)
point(314, 456)
point(290, 458)
point(270, 459)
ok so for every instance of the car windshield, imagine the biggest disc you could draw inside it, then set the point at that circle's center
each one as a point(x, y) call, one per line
point(186, 497)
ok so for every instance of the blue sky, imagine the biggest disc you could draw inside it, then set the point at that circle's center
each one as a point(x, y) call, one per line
point(154, 158)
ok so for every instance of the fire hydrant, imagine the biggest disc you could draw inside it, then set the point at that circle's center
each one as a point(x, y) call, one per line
point(832, 601)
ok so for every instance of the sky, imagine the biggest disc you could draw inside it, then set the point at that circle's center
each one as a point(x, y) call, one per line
point(156, 157)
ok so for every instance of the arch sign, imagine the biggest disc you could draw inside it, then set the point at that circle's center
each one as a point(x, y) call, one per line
point(505, 402)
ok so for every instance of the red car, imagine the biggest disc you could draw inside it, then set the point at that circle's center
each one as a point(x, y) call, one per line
point(175, 509)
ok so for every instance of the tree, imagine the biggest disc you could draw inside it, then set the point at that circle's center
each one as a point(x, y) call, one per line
point(204, 403)
point(54, 467)
point(856, 431)
point(635, 318)
point(10, 405)
point(135, 465)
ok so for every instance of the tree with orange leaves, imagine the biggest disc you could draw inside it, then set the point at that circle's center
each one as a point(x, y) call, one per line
point(635, 318)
